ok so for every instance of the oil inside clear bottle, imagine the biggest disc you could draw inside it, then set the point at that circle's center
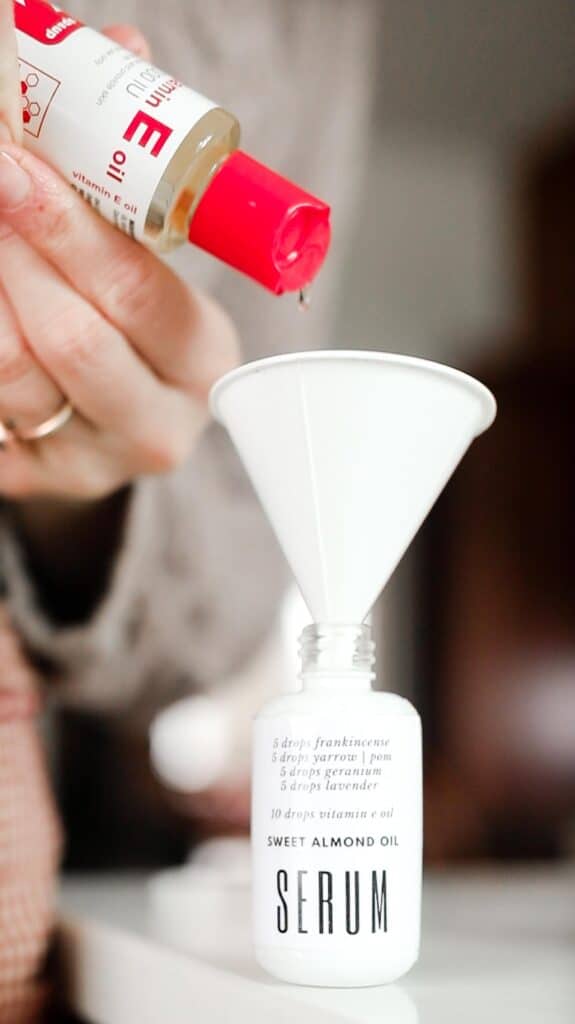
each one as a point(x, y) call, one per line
point(210, 141)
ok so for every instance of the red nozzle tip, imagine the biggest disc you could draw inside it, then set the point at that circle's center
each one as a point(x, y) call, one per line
point(262, 224)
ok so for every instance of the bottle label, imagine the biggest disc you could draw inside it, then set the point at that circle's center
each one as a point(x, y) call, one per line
point(336, 831)
point(107, 119)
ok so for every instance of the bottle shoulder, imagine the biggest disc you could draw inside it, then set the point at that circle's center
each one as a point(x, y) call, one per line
point(370, 702)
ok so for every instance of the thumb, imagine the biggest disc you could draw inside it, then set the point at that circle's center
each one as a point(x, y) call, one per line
point(10, 111)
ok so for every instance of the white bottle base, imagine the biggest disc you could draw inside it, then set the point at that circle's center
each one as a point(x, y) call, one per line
point(325, 969)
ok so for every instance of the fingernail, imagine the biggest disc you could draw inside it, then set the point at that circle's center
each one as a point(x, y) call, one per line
point(15, 184)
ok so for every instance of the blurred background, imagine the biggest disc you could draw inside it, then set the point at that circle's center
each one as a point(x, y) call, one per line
point(464, 252)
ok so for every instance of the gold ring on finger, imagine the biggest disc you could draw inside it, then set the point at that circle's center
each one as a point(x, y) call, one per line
point(47, 428)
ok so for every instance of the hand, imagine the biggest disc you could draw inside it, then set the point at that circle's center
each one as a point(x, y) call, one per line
point(91, 317)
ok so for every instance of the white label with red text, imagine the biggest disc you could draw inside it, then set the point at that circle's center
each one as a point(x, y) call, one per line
point(108, 120)
point(336, 831)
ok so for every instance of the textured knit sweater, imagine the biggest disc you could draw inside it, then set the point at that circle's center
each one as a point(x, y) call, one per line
point(197, 575)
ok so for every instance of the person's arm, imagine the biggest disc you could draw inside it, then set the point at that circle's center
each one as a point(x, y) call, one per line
point(89, 318)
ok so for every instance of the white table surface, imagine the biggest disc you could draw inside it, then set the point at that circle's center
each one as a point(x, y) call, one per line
point(498, 948)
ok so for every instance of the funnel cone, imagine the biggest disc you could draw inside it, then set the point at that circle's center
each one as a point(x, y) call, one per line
point(348, 451)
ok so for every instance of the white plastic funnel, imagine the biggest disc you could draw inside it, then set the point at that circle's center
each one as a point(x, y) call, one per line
point(348, 451)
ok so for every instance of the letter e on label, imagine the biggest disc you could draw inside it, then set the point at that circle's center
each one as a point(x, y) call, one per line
point(152, 130)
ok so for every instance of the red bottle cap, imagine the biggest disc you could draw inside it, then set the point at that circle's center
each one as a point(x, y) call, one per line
point(262, 224)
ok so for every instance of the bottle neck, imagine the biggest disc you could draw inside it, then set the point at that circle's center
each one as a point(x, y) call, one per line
point(337, 657)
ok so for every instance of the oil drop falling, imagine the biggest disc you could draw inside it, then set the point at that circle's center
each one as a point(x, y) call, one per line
point(304, 300)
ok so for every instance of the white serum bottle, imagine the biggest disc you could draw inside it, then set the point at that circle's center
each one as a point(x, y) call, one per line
point(337, 821)
point(347, 451)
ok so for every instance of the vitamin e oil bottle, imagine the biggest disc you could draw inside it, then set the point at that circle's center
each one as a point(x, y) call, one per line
point(157, 159)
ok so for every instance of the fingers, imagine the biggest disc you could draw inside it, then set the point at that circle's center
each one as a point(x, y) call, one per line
point(10, 109)
point(186, 339)
point(131, 38)
point(75, 463)
point(93, 364)
point(27, 394)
